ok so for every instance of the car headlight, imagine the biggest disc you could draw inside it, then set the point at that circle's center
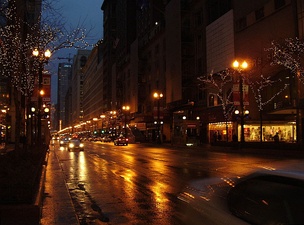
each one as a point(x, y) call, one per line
point(71, 145)
point(81, 145)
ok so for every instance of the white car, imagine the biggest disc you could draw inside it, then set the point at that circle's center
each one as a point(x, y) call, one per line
point(263, 197)
point(64, 141)
point(74, 144)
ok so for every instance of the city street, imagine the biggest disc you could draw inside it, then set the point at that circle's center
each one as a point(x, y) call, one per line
point(139, 184)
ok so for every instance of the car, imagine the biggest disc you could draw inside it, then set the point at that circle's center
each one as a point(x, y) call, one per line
point(75, 144)
point(106, 139)
point(121, 140)
point(263, 197)
point(64, 141)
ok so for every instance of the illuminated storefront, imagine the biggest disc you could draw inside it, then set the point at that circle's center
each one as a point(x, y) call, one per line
point(219, 131)
point(285, 130)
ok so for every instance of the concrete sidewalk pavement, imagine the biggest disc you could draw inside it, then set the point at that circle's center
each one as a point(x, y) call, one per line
point(57, 204)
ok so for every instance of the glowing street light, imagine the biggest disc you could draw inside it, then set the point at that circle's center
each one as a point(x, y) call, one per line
point(158, 96)
point(240, 67)
point(42, 57)
point(126, 109)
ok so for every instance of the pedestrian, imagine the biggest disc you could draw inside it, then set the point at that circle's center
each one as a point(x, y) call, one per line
point(214, 136)
point(234, 138)
point(276, 137)
point(219, 137)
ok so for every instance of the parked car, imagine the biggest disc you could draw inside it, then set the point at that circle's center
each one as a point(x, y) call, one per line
point(74, 144)
point(263, 197)
point(121, 140)
point(64, 141)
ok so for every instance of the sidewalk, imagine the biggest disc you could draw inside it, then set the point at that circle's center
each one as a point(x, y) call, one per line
point(57, 205)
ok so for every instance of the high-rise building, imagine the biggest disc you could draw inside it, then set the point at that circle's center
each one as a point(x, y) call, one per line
point(80, 60)
point(64, 80)
point(108, 50)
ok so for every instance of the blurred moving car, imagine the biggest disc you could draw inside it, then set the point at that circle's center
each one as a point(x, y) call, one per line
point(106, 139)
point(263, 197)
point(121, 140)
point(74, 144)
point(63, 141)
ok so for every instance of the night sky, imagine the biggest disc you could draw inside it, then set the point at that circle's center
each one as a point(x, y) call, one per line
point(86, 12)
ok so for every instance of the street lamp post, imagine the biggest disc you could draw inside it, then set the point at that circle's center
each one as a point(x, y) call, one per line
point(240, 67)
point(95, 126)
point(126, 110)
point(158, 96)
point(298, 110)
point(42, 58)
point(102, 118)
point(33, 127)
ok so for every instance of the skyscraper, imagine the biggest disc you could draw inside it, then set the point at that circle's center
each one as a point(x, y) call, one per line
point(64, 80)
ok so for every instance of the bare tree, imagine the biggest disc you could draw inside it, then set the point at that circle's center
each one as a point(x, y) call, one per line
point(258, 87)
point(219, 84)
point(289, 54)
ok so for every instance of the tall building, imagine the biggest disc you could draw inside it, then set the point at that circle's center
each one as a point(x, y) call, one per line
point(93, 102)
point(80, 60)
point(108, 51)
point(64, 80)
point(125, 36)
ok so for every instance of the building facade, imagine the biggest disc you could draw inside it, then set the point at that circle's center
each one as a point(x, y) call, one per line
point(79, 62)
point(93, 102)
point(254, 27)
point(176, 42)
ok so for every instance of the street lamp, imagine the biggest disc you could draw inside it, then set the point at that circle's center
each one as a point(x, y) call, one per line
point(95, 125)
point(102, 116)
point(33, 127)
point(42, 58)
point(240, 67)
point(126, 109)
point(158, 96)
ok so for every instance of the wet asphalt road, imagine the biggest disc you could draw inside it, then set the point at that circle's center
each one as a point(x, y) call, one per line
point(138, 184)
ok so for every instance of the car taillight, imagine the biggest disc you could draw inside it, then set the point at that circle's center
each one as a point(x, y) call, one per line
point(127, 139)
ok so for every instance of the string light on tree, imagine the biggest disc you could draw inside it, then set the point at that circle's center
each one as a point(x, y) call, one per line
point(289, 54)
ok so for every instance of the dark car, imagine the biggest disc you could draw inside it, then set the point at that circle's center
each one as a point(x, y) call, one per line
point(263, 197)
point(75, 144)
point(121, 141)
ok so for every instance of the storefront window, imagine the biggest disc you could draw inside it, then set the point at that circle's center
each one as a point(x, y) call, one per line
point(285, 132)
point(218, 131)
